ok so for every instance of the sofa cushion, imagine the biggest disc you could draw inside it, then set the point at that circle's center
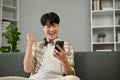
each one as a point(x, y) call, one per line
point(11, 64)
point(97, 65)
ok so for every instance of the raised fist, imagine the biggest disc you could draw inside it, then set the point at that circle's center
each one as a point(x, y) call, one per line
point(30, 37)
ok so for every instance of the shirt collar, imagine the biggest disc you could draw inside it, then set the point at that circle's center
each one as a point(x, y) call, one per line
point(53, 42)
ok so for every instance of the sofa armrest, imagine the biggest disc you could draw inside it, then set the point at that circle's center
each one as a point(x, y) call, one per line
point(11, 64)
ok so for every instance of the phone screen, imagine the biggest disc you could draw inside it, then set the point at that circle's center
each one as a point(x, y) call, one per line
point(60, 43)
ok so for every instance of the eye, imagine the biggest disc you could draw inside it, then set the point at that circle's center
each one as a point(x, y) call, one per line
point(54, 25)
point(48, 26)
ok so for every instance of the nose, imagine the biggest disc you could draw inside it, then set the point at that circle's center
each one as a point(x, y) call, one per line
point(51, 28)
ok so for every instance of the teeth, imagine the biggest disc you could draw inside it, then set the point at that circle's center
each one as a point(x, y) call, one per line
point(51, 33)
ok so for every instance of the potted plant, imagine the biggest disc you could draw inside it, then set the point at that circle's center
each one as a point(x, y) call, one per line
point(101, 37)
point(12, 37)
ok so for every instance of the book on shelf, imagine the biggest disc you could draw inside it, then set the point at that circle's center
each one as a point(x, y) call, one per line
point(96, 5)
point(103, 50)
point(107, 8)
point(118, 37)
point(92, 5)
point(119, 21)
point(5, 24)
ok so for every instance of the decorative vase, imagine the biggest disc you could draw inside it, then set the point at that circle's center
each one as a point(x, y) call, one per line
point(101, 39)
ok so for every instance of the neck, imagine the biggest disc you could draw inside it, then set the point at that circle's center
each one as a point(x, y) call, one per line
point(49, 41)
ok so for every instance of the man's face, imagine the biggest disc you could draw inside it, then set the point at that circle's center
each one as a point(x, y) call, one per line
point(51, 31)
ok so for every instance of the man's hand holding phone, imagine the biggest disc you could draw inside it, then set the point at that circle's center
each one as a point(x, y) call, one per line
point(60, 44)
point(59, 51)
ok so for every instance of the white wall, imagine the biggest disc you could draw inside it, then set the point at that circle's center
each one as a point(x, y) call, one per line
point(74, 25)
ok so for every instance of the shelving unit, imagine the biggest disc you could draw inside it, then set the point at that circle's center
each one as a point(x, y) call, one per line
point(105, 19)
point(9, 14)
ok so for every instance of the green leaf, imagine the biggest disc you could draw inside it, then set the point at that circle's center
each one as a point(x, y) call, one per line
point(12, 36)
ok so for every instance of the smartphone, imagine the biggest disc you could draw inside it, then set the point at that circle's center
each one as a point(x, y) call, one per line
point(60, 43)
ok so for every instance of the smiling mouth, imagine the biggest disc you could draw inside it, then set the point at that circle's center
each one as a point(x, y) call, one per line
point(53, 33)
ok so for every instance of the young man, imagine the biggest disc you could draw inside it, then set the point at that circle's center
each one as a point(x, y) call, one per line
point(42, 60)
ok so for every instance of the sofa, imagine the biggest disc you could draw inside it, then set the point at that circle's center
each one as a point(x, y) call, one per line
point(88, 65)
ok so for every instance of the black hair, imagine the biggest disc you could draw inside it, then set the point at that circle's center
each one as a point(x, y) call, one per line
point(50, 18)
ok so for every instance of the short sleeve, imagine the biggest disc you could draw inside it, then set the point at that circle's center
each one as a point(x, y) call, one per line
point(70, 54)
